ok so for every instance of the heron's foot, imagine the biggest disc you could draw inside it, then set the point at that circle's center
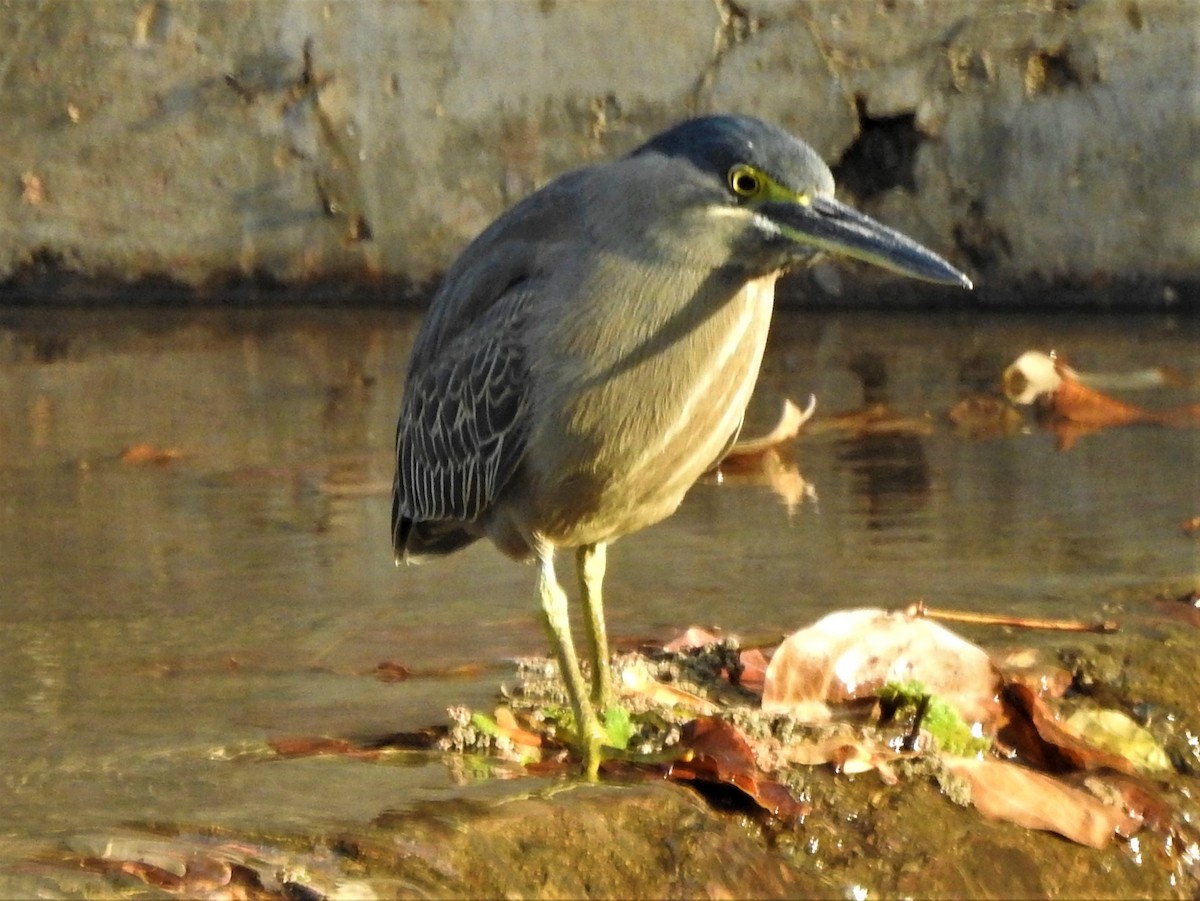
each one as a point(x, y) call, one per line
point(613, 729)
point(591, 737)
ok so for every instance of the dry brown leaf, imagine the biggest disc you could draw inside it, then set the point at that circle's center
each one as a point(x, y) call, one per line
point(1006, 791)
point(635, 681)
point(1052, 745)
point(769, 470)
point(312, 746)
point(150, 453)
point(1146, 805)
point(1074, 405)
point(875, 419)
point(32, 191)
point(393, 671)
point(753, 672)
point(720, 753)
point(1182, 609)
point(787, 428)
point(851, 654)
point(1188, 415)
point(1031, 669)
point(507, 725)
point(985, 416)
point(848, 751)
point(1084, 406)
point(390, 671)
point(202, 868)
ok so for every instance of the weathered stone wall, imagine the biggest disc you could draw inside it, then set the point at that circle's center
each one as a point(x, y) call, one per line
point(302, 144)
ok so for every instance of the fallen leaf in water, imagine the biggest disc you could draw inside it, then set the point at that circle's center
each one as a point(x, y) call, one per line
point(1041, 737)
point(1112, 730)
point(507, 725)
point(848, 751)
point(33, 193)
point(787, 428)
point(1028, 667)
point(769, 470)
point(720, 753)
point(1073, 407)
point(150, 453)
point(1006, 791)
point(758, 461)
point(637, 682)
point(390, 671)
point(985, 416)
point(874, 419)
point(1187, 415)
point(202, 867)
point(1075, 402)
point(752, 670)
point(852, 654)
point(312, 746)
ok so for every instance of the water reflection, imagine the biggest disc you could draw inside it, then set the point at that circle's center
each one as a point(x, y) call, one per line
point(152, 614)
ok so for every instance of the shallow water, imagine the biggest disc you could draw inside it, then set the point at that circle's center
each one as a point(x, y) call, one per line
point(159, 619)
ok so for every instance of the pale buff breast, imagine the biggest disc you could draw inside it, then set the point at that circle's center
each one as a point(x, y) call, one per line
point(648, 432)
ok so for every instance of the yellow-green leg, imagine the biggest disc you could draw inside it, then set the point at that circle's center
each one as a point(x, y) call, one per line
point(591, 734)
point(589, 563)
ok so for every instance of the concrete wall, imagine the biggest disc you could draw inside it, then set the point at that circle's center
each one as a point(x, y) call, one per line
point(351, 148)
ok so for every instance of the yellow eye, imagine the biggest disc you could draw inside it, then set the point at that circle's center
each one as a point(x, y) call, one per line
point(745, 181)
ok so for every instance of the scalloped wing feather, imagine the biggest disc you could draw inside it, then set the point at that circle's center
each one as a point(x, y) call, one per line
point(463, 427)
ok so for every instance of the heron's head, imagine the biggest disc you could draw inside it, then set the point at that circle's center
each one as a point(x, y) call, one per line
point(773, 196)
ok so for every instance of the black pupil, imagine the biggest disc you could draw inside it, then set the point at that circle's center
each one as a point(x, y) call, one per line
point(744, 183)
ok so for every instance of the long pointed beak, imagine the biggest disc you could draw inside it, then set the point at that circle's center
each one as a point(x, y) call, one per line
point(831, 226)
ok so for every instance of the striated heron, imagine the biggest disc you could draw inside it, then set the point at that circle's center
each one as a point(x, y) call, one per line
point(591, 353)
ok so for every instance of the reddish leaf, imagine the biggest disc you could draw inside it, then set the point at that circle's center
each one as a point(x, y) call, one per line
point(390, 671)
point(318, 745)
point(1045, 741)
point(875, 419)
point(1183, 609)
point(149, 453)
point(753, 670)
point(1076, 408)
point(1026, 666)
point(768, 469)
point(1077, 403)
point(721, 754)
point(507, 725)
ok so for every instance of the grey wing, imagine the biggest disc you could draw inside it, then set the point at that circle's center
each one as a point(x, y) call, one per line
point(463, 425)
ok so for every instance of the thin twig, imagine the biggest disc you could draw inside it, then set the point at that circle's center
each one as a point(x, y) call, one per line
point(920, 608)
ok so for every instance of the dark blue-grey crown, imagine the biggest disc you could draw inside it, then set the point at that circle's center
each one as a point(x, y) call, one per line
point(714, 144)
